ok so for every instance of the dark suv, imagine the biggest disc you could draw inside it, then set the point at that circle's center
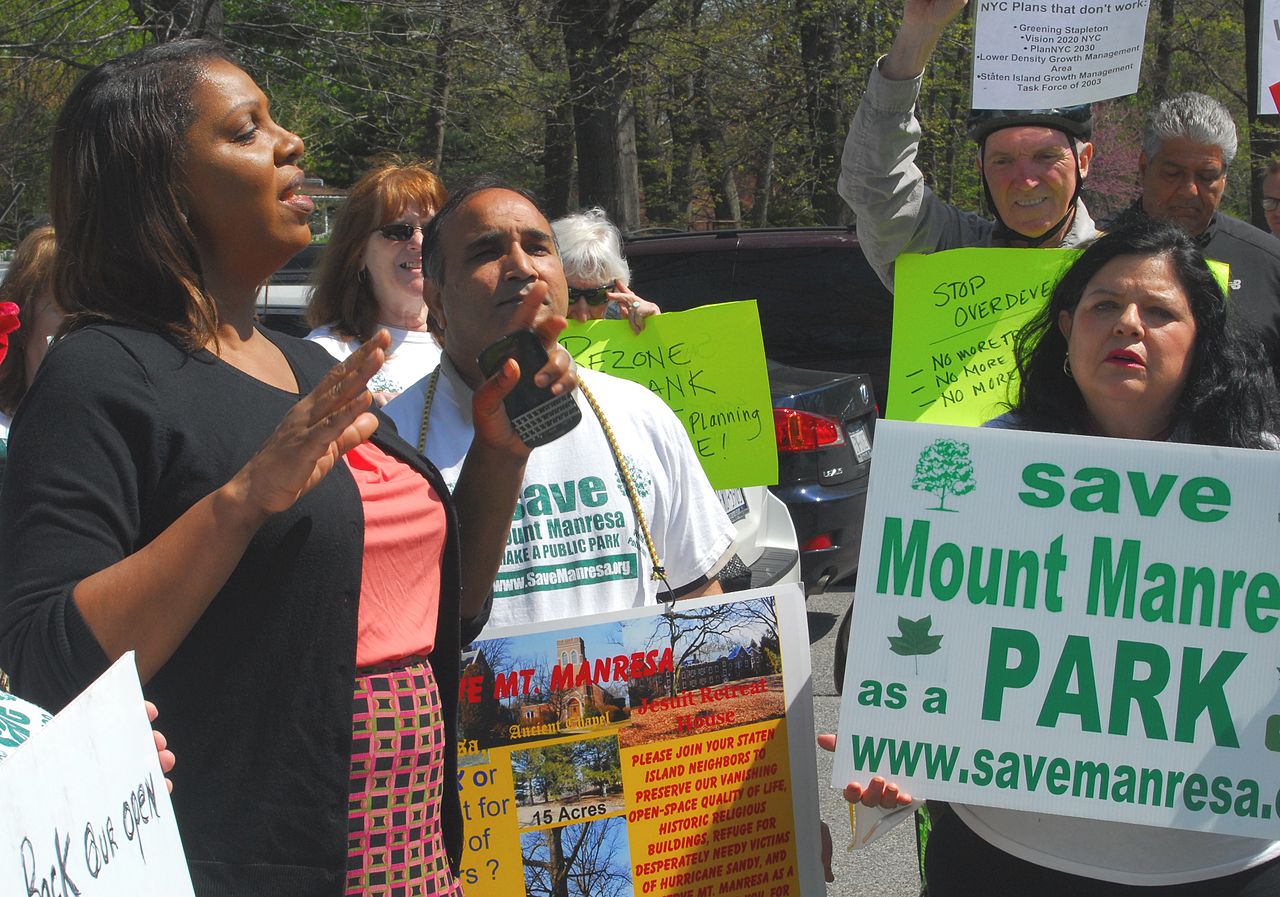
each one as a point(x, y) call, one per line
point(826, 322)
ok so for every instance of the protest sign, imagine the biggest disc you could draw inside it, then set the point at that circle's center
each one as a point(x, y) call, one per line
point(1070, 625)
point(1051, 53)
point(708, 365)
point(86, 807)
point(1269, 57)
point(955, 317)
point(669, 752)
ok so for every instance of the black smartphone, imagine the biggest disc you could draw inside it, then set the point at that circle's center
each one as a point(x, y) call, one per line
point(538, 416)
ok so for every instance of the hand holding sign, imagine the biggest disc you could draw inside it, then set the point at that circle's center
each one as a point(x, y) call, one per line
point(87, 812)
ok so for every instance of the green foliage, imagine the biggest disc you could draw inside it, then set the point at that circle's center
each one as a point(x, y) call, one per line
point(740, 106)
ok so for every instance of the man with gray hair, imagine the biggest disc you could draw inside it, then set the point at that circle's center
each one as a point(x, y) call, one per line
point(1187, 145)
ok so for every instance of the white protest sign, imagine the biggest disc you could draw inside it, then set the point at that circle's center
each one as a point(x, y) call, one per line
point(1269, 57)
point(1047, 54)
point(86, 808)
point(1070, 625)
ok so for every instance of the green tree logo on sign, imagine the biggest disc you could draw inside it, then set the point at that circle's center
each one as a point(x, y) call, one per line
point(944, 469)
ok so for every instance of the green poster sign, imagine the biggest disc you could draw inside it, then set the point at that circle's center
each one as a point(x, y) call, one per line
point(708, 365)
point(955, 316)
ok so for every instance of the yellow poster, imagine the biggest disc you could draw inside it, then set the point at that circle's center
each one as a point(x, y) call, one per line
point(644, 753)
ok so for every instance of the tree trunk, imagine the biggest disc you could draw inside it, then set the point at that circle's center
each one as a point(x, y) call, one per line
point(1162, 70)
point(441, 80)
point(597, 34)
point(653, 167)
point(174, 19)
point(1264, 135)
point(764, 185)
point(559, 872)
point(557, 159)
point(628, 214)
point(818, 50)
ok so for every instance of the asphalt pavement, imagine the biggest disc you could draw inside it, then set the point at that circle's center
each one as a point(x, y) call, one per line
point(886, 868)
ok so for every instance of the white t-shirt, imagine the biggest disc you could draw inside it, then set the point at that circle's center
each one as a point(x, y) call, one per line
point(413, 355)
point(1120, 852)
point(1116, 851)
point(574, 547)
point(18, 719)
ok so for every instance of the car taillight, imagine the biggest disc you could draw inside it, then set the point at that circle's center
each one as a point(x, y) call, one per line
point(817, 543)
point(800, 431)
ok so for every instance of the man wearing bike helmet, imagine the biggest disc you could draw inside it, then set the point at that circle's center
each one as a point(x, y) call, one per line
point(1033, 163)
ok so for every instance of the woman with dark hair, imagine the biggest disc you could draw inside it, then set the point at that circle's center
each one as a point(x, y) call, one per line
point(1134, 343)
point(1196, 381)
point(28, 284)
point(220, 500)
point(370, 275)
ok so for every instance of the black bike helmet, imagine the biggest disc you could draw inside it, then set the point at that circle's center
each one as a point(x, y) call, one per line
point(1074, 121)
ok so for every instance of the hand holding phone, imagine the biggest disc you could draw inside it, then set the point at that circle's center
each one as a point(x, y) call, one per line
point(537, 415)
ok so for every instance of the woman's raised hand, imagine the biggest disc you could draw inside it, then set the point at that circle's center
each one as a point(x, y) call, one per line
point(332, 419)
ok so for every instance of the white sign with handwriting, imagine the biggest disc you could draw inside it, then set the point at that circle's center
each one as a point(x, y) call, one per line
point(86, 808)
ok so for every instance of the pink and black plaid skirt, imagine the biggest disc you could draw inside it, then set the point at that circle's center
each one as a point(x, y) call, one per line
point(394, 844)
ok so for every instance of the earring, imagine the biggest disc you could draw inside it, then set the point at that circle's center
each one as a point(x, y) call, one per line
point(363, 275)
point(1066, 365)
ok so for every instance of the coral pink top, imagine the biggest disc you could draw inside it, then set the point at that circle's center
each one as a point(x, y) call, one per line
point(404, 533)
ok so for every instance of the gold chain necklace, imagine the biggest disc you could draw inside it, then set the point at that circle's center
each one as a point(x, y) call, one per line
point(659, 571)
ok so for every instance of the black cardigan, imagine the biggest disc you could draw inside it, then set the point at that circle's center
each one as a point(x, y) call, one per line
point(121, 432)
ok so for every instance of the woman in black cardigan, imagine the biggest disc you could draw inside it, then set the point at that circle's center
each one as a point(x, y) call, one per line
point(181, 484)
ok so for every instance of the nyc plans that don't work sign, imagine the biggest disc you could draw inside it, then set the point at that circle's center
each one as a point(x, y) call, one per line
point(1070, 625)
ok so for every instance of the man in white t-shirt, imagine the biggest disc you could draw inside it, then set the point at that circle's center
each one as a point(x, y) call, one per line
point(575, 547)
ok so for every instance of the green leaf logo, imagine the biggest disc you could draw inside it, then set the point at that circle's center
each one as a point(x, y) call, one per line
point(915, 639)
point(944, 468)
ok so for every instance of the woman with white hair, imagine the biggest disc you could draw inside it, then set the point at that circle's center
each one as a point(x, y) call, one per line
point(591, 253)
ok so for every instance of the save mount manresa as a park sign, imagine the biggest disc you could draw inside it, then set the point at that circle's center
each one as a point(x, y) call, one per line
point(1089, 624)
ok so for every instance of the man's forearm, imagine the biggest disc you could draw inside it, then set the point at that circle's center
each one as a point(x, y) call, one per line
point(910, 52)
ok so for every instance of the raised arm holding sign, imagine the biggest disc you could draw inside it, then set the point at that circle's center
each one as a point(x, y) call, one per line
point(1032, 163)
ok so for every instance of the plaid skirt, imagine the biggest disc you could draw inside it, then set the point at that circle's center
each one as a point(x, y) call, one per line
point(394, 844)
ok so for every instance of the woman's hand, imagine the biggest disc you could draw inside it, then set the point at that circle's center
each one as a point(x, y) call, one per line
point(876, 793)
point(637, 309)
point(332, 419)
point(492, 427)
point(167, 760)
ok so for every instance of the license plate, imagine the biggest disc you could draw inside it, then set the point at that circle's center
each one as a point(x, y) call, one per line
point(734, 503)
point(861, 444)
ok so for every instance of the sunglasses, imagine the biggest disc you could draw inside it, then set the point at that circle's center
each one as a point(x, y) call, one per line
point(593, 295)
point(1270, 203)
point(398, 233)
